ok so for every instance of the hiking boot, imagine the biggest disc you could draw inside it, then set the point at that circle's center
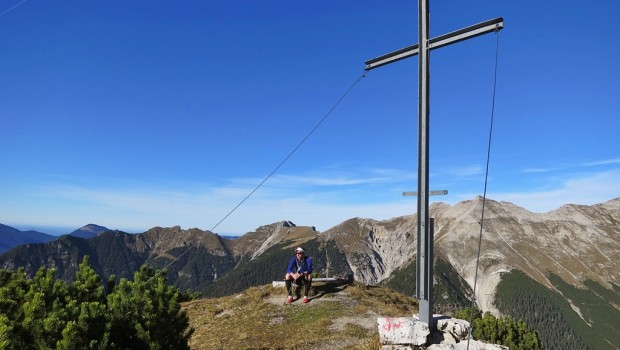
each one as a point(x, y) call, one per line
point(289, 299)
point(306, 300)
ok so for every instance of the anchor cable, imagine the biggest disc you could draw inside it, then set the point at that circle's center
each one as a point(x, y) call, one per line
point(12, 8)
point(291, 152)
point(484, 196)
point(303, 140)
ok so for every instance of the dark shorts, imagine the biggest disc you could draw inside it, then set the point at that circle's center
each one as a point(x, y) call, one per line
point(301, 280)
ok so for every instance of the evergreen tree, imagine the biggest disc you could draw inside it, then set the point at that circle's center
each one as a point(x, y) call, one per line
point(146, 314)
point(45, 313)
point(88, 328)
point(503, 331)
point(5, 332)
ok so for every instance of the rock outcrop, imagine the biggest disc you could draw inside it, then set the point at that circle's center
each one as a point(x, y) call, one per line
point(405, 333)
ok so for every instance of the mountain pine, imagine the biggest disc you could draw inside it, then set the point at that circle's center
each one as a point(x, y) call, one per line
point(46, 313)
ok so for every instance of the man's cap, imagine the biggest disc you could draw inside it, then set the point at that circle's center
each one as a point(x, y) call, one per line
point(300, 250)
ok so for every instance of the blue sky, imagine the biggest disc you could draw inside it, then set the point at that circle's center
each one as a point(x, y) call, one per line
point(135, 114)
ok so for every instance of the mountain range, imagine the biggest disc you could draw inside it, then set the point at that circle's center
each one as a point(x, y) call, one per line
point(559, 271)
point(11, 237)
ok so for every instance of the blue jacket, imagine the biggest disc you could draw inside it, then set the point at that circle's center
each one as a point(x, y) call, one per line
point(300, 266)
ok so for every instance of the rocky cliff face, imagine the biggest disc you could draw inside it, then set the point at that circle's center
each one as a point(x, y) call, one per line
point(574, 242)
point(374, 249)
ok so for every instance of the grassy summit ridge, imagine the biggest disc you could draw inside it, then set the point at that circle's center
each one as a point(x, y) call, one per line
point(341, 317)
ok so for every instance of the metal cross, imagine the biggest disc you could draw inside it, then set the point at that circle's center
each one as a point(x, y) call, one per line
point(425, 45)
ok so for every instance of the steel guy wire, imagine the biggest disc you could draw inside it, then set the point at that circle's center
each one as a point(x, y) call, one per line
point(11, 8)
point(303, 140)
point(484, 195)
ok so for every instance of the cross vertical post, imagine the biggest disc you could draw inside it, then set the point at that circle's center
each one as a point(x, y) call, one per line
point(424, 273)
point(424, 266)
point(423, 286)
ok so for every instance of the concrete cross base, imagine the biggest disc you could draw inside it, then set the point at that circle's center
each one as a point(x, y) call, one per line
point(409, 333)
point(403, 331)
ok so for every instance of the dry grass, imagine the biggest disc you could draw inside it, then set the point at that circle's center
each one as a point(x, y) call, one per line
point(336, 318)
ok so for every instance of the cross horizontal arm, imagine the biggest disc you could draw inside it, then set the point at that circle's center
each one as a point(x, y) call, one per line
point(437, 42)
point(430, 193)
point(392, 57)
point(489, 26)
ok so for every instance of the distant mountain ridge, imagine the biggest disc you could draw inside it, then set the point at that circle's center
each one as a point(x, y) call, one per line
point(571, 256)
point(89, 231)
point(11, 237)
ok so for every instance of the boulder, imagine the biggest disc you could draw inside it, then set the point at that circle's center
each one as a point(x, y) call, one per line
point(409, 333)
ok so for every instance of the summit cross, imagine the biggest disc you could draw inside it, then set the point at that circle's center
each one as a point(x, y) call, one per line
point(424, 273)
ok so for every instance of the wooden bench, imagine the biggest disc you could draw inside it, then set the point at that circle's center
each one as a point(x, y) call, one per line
point(282, 284)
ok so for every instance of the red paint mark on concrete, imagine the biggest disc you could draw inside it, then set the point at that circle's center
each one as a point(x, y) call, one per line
point(389, 326)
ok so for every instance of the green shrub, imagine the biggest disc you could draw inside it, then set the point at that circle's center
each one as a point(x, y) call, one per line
point(45, 313)
point(502, 331)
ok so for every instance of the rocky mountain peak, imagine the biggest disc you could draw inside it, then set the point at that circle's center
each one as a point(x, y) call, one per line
point(89, 231)
point(256, 242)
point(93, 228)
point(164, 239)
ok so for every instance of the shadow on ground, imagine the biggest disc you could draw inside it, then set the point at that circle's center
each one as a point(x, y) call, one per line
point(320, 290)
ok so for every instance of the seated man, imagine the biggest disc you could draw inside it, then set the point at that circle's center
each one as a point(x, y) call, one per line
point(298, 271)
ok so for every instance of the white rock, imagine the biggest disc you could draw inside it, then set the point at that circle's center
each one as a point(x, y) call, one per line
point(459, 329)
point(473, 345)
point(402, 330)
point(404, 333)
point(396, 347)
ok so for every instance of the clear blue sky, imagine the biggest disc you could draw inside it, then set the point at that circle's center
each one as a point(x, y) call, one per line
point(135, 114)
